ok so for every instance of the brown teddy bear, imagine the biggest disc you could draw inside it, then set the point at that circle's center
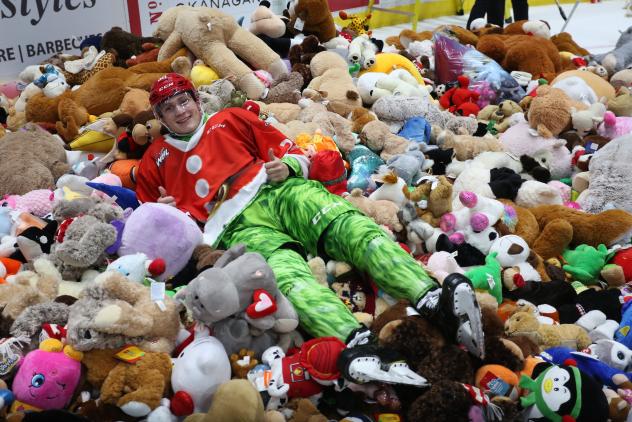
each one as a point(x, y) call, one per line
point(313, 17)
point(237, 401)
point(286, 89)
point(546, 336)
point(621, 105)
point(136, 387)
point(467, 147)
point(535, 55)
point(383, 212)
point(331, 75)
point(31, 159)
point(561, 227)
point(550, 112)
point(218, 40)
point(360, 117)
point(124, 43)
point(377, 136)
point(100, 94)
point(549, 229)
point(565, 43)
point(438, 196)
point(301, 55)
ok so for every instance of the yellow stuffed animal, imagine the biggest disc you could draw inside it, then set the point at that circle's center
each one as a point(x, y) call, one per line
point(387, 62)
point(546, 336)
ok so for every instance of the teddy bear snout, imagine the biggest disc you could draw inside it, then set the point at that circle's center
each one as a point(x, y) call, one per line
point(515, 249)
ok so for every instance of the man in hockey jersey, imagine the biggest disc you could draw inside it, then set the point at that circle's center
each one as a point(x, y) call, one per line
point(247, 183)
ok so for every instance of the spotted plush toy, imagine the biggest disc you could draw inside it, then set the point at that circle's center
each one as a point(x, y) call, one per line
point(357, 24)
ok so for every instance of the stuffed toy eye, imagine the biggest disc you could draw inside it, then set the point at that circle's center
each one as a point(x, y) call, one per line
point(38, 380)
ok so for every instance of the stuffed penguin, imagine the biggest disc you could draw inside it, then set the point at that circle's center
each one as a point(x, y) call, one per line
point(562, 394)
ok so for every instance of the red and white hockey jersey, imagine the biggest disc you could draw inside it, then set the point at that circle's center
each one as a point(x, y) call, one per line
point(192, 171)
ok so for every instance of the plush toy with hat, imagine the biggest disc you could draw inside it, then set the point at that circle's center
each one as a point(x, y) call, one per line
point(302, 374)
point(562, 393)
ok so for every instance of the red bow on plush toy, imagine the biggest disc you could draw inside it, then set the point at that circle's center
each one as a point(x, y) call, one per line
point(460, 99)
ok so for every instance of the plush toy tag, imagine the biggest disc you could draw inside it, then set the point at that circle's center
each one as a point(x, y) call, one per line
point(263, 304)
point(7, 364)
point(490, 281)
point(130, 354)
point(157, 289)
point(299, 24)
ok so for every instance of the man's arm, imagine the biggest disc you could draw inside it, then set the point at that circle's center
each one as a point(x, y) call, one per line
point(268, 137)
point(148, 180)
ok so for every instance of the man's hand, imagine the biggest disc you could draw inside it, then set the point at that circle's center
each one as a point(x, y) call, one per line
point(276, 169)
point(164, 198)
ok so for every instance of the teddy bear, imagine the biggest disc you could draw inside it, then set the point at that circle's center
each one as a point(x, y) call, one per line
point(561, 226)
point(70, 110)
point(312, 17)
point(377, 136)
point(239, 401)
point(217, 39)
point(542, 60)
point(286, 89)
point(330, 74)
point(526, 324)
point(549, 112)
point(467, 147)
point(246, 309)
point(500, 114)
point(620, 105)
point(124, 43)
point(113, 311)
point(565, 43)
point(32, 159)
point(433, 197)
point(28, 288)
point(383, 212)
point(360, 117)
point(136, 384)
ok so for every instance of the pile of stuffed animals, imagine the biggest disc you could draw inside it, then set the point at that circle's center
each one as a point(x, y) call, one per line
point(502, 154)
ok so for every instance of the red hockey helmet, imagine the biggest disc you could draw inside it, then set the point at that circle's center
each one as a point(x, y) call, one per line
point(169, 85)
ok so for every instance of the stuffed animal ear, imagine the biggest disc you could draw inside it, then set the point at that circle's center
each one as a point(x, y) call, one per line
point(378, 43)
point(230, 255)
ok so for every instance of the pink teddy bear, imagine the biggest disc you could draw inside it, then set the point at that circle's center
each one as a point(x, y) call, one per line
point(613, 126)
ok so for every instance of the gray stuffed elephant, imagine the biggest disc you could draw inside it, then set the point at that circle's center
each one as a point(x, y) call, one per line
point(239, 298)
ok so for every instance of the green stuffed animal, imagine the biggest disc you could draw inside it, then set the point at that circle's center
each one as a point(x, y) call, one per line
point(585, 262)
point(487, 277)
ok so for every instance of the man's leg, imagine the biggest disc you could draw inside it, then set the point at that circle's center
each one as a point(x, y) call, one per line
point(478, 11)
point(496, 12)
point(520, 9)
point(321, 312)
point(358, 240)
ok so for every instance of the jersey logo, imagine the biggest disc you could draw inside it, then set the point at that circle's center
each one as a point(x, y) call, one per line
point(164, 153)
